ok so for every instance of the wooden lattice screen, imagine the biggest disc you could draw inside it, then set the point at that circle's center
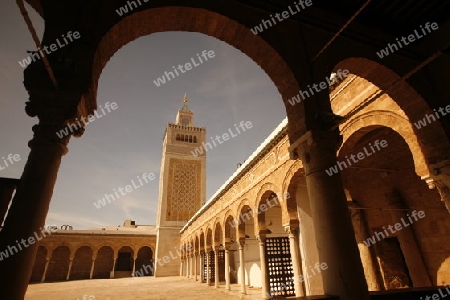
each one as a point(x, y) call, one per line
point(279, 265)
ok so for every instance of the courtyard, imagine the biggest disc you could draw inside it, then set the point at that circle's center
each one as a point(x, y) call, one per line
point(144, 288)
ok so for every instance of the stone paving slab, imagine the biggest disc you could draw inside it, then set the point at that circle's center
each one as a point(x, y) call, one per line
point(142, 288)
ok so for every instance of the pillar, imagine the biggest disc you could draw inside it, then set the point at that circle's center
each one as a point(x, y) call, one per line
point(294, 246)
point(336, 244)
point(47, 261)
point(92, 267)
point(265, 289)
point(70, 268)
point(208, 267)
point(408, 241)
point(114, 267)
point(134, 263)
point(201, 266)
point(195, 265)
point(242, 265)
point(367, 257)
point(28, 210)
point(181, 266)
point(227, 268)
point(190, 266)
point(216, 266)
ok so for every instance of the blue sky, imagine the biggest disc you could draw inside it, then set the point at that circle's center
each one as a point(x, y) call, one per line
point(127, 142)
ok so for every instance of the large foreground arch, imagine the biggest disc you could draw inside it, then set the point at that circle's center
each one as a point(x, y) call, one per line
point(297, 52)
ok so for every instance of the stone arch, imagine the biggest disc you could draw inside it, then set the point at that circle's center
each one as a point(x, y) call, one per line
point(83, 244)
point(241, 204)
point(39, 264)
point(209, 238)
point(82, 262)
point(218, 234)
point(104, 262)
point(207, 22)
point(197, 243)
point(229, 226)
point(125, 259)
point(410, 102)
point(294, 176)
point(191, 245)
point(144, 261)
point(59, 264)
point(245, 220)
point(396, 123)
point(264, 199)
point(202, 240)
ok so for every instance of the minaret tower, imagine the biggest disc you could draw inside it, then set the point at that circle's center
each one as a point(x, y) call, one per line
point(182, 186)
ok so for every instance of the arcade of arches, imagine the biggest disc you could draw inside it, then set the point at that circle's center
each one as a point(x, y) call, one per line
point(281, 216)
point(94, 254)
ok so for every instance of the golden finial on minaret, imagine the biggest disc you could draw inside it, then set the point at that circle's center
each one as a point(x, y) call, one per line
point(185, 99)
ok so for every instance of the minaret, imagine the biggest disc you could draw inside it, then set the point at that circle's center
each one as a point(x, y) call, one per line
point(182, 186)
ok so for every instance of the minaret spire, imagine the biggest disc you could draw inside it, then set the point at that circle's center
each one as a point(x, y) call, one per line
point(185, 102)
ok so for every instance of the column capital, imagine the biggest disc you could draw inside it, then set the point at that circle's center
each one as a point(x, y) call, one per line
point(440, 181)
point(315, 139)
point(317, 150)
point(261, 237)
point(292, 229)
point(227, 246)
point(353, 205)
point(55, 109)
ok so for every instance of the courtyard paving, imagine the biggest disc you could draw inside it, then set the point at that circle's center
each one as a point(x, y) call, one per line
point(143, 288)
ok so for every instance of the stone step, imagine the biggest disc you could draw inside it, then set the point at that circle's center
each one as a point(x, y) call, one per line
point(403, 294)
point(415, 293)
point(319, 297)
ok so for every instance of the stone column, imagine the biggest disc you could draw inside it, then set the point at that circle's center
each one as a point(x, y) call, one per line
point(335, 238)
point(227, 268)
point(265, 290)
point(190, 265)
point(294, 246)
point(201, 267)
point(242, 265)
point(92, 267)
point(114, 267)
point(195, 266)
point(208, 267)
point(70, 268)
point(367, 257)
point(134, 263)
point(31, 202)
point(7, 188)
point(408, 242)
point(216, 266)
point(47, 261)
point(181, 266)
